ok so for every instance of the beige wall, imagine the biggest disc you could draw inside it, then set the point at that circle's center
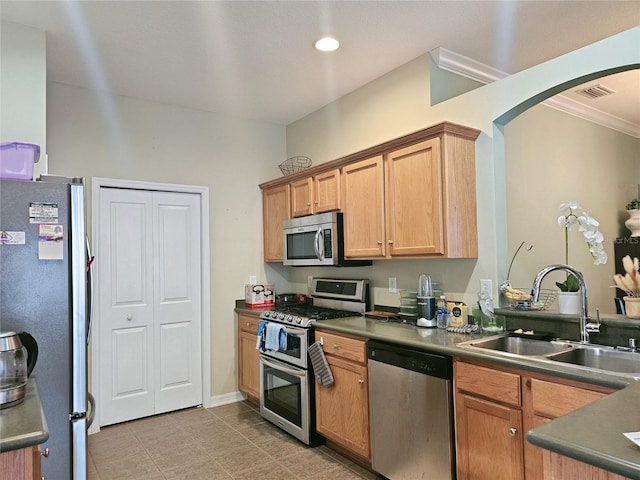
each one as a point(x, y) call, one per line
point(95, 135)
point(23, 78)
point(553, 158)
point(398, 103)
point(125, 138)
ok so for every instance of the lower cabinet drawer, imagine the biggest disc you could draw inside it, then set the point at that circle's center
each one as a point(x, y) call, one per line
point(341, 346)
point(486, 382)
point(552, 400)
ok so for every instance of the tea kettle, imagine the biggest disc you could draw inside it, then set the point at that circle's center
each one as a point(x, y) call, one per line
point(18, 356)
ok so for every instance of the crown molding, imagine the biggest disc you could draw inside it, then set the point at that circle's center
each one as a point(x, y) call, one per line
point(467, 67)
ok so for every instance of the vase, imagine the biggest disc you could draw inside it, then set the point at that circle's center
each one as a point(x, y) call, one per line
point(632, 307)
point(569, 303)
point(633, 222)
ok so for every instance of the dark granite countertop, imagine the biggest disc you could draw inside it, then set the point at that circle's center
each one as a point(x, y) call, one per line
point(23, 425)
point(592, 434)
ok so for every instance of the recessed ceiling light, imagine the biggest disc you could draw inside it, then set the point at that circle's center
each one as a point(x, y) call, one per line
point(327, 44)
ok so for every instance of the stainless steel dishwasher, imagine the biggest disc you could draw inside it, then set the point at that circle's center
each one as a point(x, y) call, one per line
point(410, 413)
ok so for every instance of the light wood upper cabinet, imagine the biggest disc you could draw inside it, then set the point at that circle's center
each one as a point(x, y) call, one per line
point(317, 194)
point(414, 200)
point(407, 204)
point(327, 191)
point(410, 197)
point(363, 193)
point(275, 209)
point(394, 204)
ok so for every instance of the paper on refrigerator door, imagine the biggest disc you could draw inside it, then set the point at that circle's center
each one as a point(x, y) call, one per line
point(50, 242)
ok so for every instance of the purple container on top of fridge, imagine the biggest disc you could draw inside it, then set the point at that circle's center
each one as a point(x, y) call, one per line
point(17, 160)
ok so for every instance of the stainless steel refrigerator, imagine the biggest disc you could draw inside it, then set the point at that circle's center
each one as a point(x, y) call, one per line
point(43, 291)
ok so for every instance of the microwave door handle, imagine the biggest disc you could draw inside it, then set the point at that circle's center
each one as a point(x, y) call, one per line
point(282, 367)
point(318, 244)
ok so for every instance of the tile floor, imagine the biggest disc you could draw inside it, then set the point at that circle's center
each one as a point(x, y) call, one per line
point(228, 442)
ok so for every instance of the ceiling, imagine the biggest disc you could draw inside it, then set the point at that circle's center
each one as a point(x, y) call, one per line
point(255, 59)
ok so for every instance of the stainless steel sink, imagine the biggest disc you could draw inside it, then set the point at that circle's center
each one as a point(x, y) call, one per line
point(519, 345)
point(577, 355)
point(601, 358)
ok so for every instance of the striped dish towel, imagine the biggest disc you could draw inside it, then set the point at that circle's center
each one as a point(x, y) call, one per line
point(321, 368)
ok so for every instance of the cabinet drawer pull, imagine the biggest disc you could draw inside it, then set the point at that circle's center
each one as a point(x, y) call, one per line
point(513, 431)
point(360, 381)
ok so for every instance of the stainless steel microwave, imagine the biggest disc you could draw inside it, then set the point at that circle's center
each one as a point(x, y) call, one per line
point(316, 240)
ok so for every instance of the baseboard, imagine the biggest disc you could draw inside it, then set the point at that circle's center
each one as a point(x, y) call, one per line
point(233, 397)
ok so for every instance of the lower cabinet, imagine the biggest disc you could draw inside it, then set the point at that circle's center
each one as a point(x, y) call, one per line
point(248, 357)
point(22, 464)
point(496, 406)
point(342, 409)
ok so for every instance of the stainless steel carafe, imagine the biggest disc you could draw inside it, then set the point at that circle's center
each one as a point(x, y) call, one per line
point(18, 355)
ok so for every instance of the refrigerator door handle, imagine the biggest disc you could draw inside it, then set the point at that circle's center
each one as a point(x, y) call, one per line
point(79, 299)
point(90, 259)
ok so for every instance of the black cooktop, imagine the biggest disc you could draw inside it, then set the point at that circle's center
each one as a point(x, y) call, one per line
point(314, 313)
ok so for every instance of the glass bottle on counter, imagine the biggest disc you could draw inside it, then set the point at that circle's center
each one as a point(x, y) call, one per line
point(442, 313)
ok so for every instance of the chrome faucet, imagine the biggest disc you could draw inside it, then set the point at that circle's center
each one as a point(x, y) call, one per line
point(586, 327)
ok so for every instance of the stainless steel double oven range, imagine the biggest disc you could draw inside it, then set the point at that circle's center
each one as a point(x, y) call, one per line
point(287, 383)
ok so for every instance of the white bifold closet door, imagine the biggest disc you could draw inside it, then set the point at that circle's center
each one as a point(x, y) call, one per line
point(150, 307)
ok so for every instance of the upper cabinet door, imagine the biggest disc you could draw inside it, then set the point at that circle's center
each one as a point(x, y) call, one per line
point(414, 200)
point(363, 193)
point(275, 210)
point(327, 191)
point(317, 194)
point(302, 197)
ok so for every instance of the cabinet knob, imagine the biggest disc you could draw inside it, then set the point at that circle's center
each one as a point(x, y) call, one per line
point(308, 204)
point(390, 242)
point(360, 381)
point(528, 382)
point(45, 452)
point(379, 242)
point(129, 317)
point(316, 202)
point(513, 431)
point(335, 346)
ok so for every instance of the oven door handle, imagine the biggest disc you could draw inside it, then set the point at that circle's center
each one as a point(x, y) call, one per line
point(298, 332)
point(283, 367)
point(295, 331)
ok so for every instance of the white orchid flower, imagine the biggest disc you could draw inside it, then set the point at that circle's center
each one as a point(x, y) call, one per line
point(588, 226)
point(566, 208)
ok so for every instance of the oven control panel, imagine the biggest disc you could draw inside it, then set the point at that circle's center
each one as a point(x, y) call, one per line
point(284, 318)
